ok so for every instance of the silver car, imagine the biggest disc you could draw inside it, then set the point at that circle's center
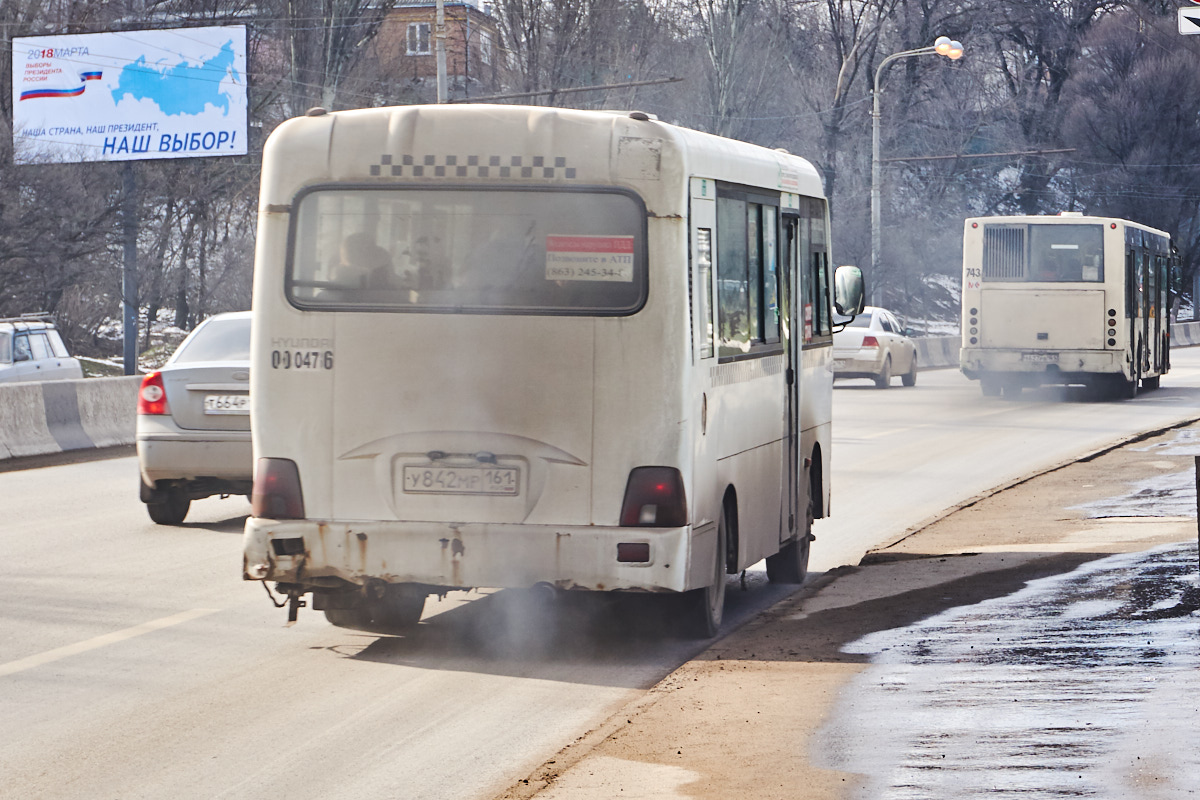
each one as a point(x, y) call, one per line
point(32, 350)
point(874, 345)
point(193, 422)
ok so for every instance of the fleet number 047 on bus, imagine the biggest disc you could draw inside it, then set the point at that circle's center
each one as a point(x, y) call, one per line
point(575, 349)
point(1065, 299)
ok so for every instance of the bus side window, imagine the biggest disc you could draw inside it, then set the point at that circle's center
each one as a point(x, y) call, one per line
point(704, 290)
point(771, 315)
point(733, 283)
point(820, 281)
point(821, 310)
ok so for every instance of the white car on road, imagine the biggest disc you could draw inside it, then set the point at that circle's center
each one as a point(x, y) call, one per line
point(32, 350)
point(874, 345)
point(193, 420)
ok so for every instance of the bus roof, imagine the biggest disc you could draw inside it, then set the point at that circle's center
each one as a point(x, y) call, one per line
point(476, 143)
point(1065, 218)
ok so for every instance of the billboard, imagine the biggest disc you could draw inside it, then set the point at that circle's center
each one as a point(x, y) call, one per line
point(130, 95)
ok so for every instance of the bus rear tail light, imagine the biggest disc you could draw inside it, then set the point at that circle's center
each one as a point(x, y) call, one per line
point(654, 498)
point(152, 397)
point(870, 341)
point(277, 492)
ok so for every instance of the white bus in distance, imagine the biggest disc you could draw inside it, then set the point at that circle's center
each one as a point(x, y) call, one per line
point(501, 346)
point(1065, 299)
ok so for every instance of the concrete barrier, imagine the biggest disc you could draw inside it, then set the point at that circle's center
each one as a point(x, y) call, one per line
point(937, 352)
point(53, 417)
point(56, 416)
point(1185, 334)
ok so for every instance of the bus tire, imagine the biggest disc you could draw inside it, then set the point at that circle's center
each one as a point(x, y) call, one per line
point(990, 386)
point(1011, 390)
point(703, 609)
point(910, 378)
point(790, 564)
point(1150, 384)
point(170, 506)
point(399, 610)
point(358, 619)
point(884, 379)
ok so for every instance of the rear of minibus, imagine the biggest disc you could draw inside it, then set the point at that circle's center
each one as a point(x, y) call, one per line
point(465, 374)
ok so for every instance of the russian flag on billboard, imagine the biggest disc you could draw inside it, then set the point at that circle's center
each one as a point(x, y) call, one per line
point(84, 77)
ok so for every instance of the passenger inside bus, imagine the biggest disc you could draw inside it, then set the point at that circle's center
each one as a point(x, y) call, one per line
point(363, 263)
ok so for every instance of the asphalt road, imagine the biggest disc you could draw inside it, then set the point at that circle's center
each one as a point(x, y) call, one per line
point(135, 663)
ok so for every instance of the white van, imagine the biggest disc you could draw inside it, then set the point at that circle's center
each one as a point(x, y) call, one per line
point(504, 346)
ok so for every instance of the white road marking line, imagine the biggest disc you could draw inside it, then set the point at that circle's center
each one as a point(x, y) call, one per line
point(101, 641)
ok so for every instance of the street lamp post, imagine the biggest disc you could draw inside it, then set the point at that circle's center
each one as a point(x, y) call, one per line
point(942, 46)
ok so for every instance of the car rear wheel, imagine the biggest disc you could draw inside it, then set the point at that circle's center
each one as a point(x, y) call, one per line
point(910, 378)
point(884, 379)
point(169, 507)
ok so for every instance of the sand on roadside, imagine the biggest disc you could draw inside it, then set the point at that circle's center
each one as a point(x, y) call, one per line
point(740, 719)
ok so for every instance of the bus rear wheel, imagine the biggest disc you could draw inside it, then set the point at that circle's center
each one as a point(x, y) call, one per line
point(398, 610)
point(790, 564)
point(703, 609)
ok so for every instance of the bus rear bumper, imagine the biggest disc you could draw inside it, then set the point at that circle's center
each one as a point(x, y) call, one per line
point(314, 554)
point(1042, 366)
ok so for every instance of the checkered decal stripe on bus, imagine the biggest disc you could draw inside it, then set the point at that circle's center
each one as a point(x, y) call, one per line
point(410, 166)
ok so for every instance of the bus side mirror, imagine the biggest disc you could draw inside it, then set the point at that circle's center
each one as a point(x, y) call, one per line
point(848, 292)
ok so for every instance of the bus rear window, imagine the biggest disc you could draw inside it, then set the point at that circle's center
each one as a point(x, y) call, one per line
point(478, 250)
point(1045, 253)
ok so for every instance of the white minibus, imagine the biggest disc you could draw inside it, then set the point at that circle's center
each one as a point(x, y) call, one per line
point(1067, 299)
point(504, 346)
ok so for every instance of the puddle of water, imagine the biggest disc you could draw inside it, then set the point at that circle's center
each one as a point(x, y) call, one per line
point(1171, 495)
point(1185, 443)
point(1080, 685)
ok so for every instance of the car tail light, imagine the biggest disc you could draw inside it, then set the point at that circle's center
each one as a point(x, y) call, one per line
point(654, 498)
point(870, 341)
point(152, 397)
point(277, 492)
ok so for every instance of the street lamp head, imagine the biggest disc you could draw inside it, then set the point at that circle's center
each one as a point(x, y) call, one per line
point(944, 46)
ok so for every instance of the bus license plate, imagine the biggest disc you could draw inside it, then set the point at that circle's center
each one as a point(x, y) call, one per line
point(227, 404)
point(1041, 358)
point(462, 480)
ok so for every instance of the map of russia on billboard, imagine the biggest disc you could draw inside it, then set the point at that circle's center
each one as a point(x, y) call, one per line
point(130, 95)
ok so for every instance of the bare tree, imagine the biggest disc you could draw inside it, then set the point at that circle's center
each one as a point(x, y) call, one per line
point(323, 40)
point(1135, 102)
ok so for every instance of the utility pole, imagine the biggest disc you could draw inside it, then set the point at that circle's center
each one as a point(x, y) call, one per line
point(440, 48)
point(129, 276)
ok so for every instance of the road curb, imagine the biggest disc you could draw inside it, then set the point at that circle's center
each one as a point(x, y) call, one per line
point(876, 555)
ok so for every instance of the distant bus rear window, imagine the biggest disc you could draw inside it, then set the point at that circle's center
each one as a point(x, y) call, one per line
point(1043, 253)
point(468, 250)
